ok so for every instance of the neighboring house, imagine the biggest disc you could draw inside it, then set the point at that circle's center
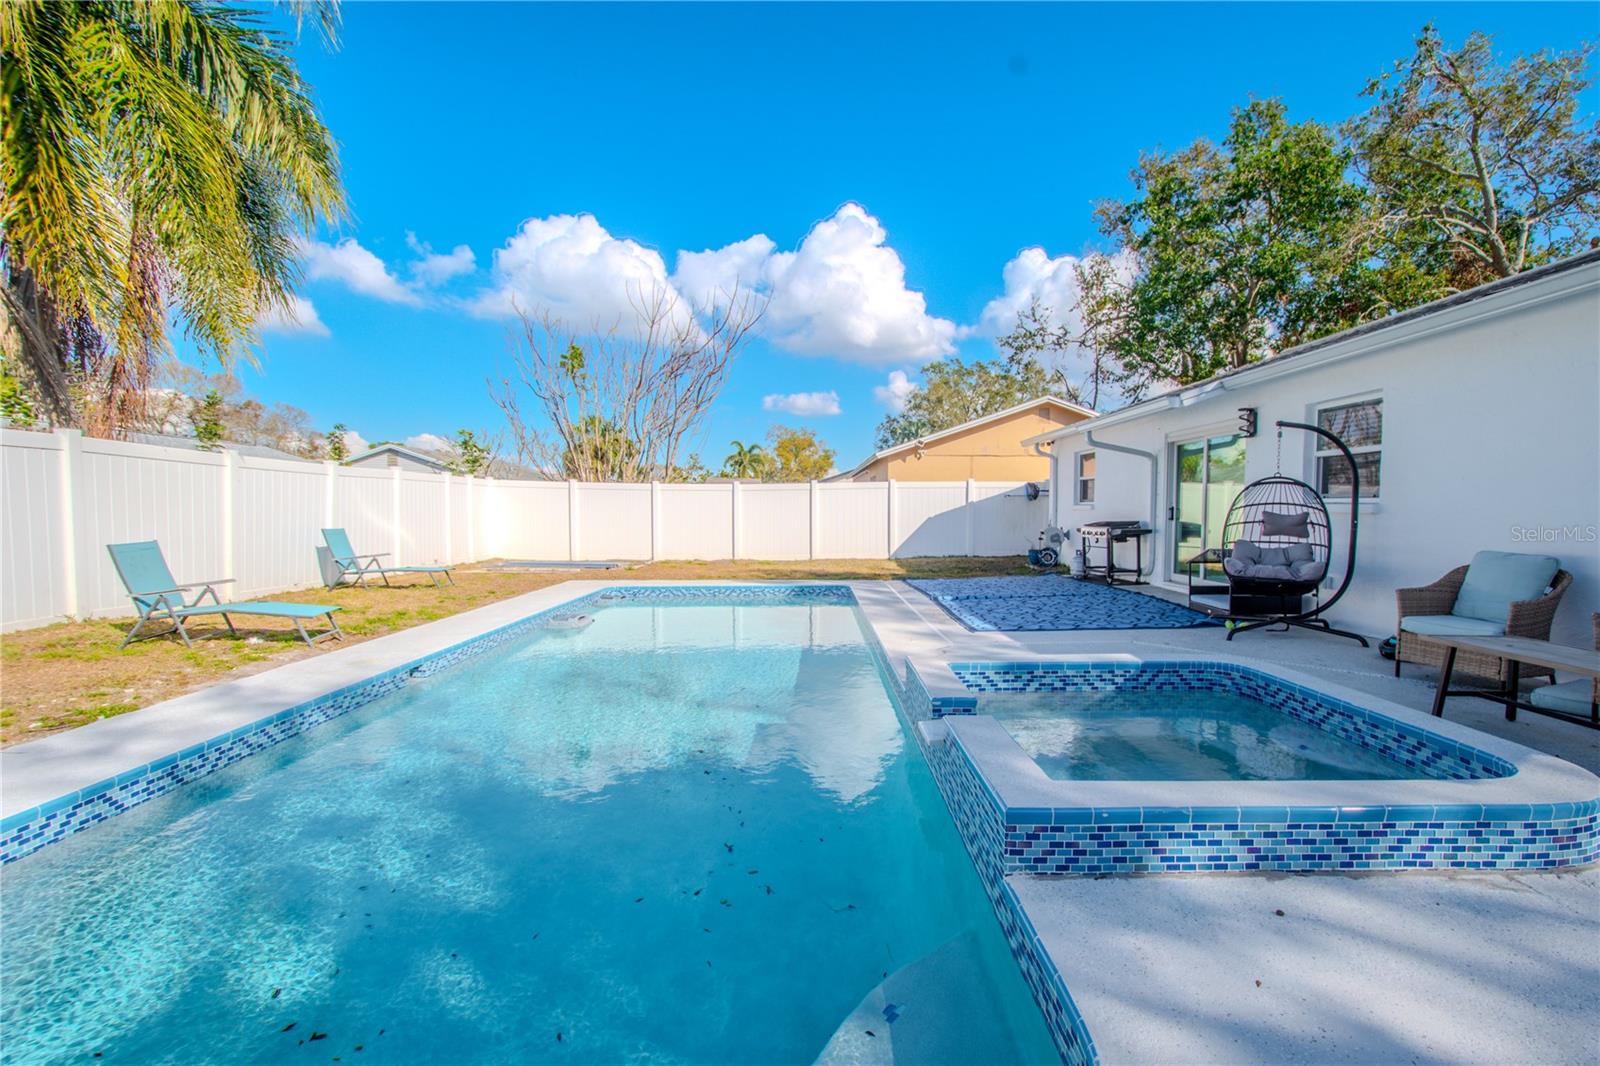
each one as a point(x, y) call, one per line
point(984, 449)
point(1475, 421)
point(396, 455)
point(256, 451)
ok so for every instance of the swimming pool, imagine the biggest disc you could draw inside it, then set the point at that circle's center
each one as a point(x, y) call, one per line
point(690, 830)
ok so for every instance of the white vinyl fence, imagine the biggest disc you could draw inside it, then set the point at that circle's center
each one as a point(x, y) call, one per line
point(64, 497)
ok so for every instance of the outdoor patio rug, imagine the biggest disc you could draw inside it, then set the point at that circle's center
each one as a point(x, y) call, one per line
point(1015, 604)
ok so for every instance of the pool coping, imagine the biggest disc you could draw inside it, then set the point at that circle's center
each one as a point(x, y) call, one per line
point(1543, 787)
point(39, 776)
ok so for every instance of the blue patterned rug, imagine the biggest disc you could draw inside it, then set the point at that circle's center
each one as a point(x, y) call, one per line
point(1013, 604)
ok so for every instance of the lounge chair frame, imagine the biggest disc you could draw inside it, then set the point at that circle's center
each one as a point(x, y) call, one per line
point(358, 566)
point(172, 605)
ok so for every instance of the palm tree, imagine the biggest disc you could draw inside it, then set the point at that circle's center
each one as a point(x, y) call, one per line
point(159, 158)
point(747, 460)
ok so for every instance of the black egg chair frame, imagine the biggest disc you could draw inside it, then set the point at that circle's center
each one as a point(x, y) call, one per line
point(1258, 602)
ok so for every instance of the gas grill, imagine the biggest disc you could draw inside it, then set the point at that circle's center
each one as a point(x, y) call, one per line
point(1106, 536)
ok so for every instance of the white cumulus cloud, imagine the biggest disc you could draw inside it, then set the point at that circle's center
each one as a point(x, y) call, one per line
point(841, 293)
point(358, 269)
point(711, 277)
point(896, 392)
point(299, 317)
point(355, 443)
point(805, 404)
point(427, 442)
point(436, 268)
point(570, 267)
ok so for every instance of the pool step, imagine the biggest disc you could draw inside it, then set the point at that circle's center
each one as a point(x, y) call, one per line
point(922, 1013)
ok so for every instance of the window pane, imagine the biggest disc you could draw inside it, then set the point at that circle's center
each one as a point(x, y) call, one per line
point(1086, 491)
point(1333, 475)
point(1086, 464)
point(1357, 423)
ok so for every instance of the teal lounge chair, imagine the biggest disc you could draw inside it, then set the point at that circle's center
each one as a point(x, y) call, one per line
point(347, 564)
point(144, 573)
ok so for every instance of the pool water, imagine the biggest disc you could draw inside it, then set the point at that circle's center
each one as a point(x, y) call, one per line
point(681, 834)
point(1178, 736)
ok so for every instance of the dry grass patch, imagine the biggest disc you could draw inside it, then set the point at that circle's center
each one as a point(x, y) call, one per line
point(63, 676)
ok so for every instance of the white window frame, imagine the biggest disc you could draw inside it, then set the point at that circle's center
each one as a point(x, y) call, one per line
point(1321, 449)
point(1078, 479)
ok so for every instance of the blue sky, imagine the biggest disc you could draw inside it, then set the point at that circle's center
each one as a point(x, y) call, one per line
point(895, 158)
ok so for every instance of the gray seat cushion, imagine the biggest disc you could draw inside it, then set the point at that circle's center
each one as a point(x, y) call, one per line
point(1292, 562)
point(1575, 697)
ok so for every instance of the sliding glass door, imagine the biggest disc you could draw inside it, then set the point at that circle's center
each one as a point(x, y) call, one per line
point(1207, 474)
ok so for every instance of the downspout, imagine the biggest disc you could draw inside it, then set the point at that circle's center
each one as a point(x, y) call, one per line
point(1088, 437)
point(1038, 449)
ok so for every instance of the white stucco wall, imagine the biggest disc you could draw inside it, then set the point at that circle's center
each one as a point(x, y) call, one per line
point(1491, 439)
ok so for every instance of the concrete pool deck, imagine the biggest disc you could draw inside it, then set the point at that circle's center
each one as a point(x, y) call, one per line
point(1420, 967)
point(1382, 967)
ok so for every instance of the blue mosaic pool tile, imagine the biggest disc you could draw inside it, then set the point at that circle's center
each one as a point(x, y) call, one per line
point(971, 802)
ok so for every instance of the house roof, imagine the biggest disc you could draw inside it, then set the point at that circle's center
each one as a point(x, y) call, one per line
point(258, 451)
point(943, 434)
point(1369, 336)
point(401, 450)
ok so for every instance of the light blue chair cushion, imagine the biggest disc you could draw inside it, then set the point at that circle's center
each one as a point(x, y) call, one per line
point(1496, 580)
point(1449, 625)
point(1575, 697)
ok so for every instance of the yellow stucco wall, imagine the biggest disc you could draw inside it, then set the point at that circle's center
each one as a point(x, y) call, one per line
point(992, 452)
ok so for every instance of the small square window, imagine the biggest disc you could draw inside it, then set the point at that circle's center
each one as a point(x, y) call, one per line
point(1084, 492)
point(1360, 426)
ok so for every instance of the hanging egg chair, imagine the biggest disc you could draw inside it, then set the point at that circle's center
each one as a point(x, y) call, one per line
point(1277, 545)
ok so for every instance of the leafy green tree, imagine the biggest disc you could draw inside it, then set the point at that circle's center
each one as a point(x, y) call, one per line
point(599, 450)
point(158, 159)
point(1090, 331)
point(953, 392)
point(692, 471)
point(15, 407)
point(1489, 167)
point(746, 460)
point(1243, 248)
point(472, 457)
point(797, 455)
point(206, 418)
point(338, 451)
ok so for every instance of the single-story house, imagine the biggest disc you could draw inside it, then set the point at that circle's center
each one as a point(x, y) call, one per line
point(254, 451)
point(1475, 423)
point(397, 455)
point(984, 449)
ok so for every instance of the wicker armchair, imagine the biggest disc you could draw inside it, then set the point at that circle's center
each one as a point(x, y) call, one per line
point(1529, 618)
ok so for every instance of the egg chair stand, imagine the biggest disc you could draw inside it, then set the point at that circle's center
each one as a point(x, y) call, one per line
point(1277, 547)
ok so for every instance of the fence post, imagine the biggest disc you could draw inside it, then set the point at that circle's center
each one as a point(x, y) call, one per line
point(472, 520)
point(71, 465)
point(894, 516)
point(815, 520)
point(449, 532)
point(329, 489)
point(738, 515)
point(394, 514)
point(572, 520)
point(230, 555)
point(972, 522)
point(655, 520)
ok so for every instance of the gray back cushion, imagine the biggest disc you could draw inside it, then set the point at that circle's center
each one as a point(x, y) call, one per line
point(1298, 526)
